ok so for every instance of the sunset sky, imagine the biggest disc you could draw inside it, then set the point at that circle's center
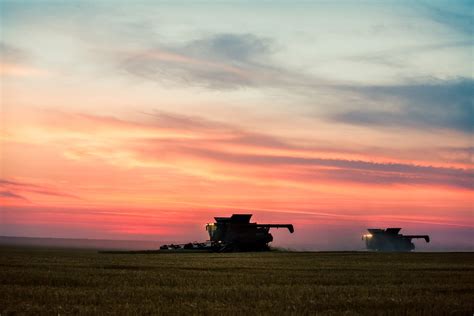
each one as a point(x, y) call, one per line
point(143, 121)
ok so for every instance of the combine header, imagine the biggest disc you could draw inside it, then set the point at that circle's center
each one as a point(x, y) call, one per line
point(235, 233)
point(390, 240)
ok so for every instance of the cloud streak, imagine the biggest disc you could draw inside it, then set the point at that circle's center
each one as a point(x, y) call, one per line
point(11, 195)
point(232, 61)
point(15, 62)
point(176, 140)
point(457, 15)
point(12, 187)
point(319, 170)
point(439, 105)
point(222, 61)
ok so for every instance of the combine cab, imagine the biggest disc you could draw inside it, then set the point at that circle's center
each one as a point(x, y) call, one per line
point(390, 240)
point(236, 233)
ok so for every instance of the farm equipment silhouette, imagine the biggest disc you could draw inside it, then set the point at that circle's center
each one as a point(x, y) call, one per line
point(390, 240)
point(235, 233)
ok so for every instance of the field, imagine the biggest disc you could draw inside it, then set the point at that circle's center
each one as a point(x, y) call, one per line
point(55, 281)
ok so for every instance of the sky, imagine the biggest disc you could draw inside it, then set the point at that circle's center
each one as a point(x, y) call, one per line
point(144, 120)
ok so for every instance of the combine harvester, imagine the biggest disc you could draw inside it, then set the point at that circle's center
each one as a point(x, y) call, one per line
point(235, 233)
point(390, 240)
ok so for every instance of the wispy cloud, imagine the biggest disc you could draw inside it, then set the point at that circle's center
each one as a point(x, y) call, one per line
point(11, 195)
point(222, 61)
point(305, 165)
point(457, 15)
point(15, 62)
point(316, 169)
point(457, 154)
point(245, 48)
point(191, 143)
point(11, 54)
point(231, 61)
point(441, 104)
point(402, 57)
point(30, 188)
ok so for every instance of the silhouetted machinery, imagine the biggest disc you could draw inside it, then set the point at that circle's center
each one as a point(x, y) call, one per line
point(390, 240)
point(235, 233)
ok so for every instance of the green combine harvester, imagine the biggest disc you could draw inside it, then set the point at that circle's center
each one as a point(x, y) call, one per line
point(390, 240)
point(235, 233)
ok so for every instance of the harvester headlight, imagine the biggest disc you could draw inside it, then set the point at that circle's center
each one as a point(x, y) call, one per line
point(367, 236)
point(209, 226)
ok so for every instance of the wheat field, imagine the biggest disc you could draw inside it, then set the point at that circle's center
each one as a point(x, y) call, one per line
point(62, 281)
